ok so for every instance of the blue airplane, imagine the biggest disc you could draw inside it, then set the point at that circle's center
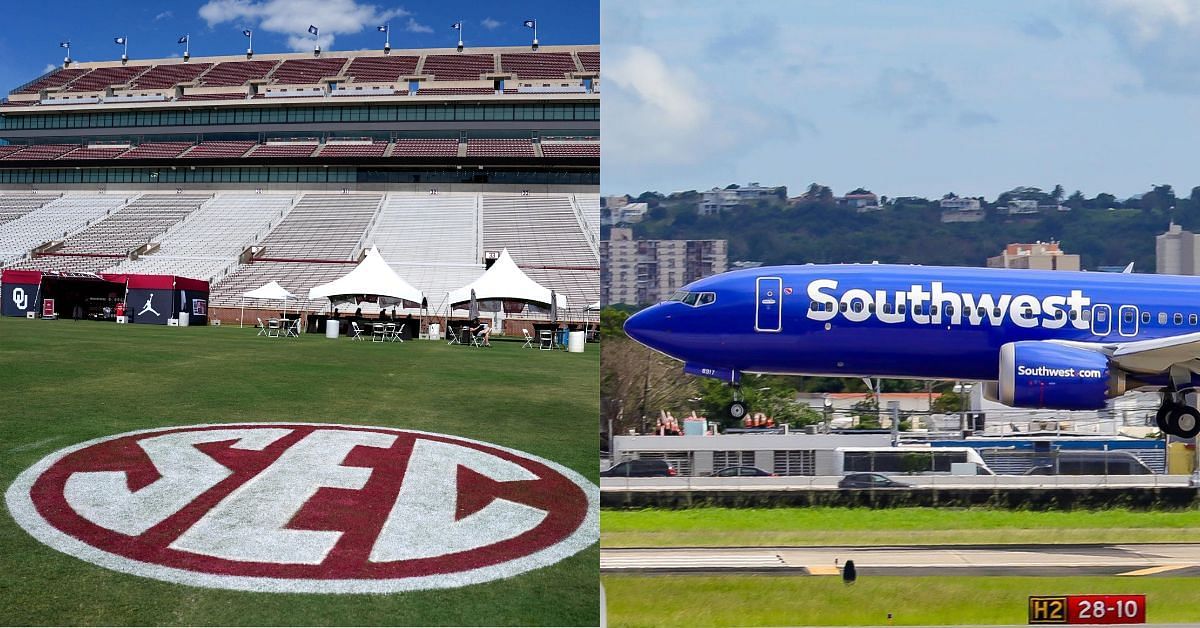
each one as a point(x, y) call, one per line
point(1037, 339)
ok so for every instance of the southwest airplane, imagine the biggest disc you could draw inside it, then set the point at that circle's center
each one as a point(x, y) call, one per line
point(1037, 339)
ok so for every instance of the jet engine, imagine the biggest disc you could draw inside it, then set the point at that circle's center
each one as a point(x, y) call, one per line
point(1036, 374)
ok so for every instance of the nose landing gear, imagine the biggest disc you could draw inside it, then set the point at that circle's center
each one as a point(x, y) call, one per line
point(738, 408)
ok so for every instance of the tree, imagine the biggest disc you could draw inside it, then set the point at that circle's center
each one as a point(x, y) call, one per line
point(949, 402)
point(639, 383)
point(860, 191)
point(733, 186)
point(1057, 194)
point(1076, 200)
point(868, 413)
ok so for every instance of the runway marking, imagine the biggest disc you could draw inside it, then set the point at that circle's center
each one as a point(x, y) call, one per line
point(1149, 571)
point(823, 570)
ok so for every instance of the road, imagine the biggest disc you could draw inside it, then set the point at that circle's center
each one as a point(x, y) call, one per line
point(1157, 559)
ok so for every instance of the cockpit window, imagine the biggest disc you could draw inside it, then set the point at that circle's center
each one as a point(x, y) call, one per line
point(678, 296)
point(706, 298)
point(694, 299)
point(691, 297)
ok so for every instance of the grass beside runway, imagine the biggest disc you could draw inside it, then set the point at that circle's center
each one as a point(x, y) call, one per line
point(733, 600)
point(65, 382)
point(711, 527)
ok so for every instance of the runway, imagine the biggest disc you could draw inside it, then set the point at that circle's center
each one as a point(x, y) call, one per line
point(1133, 560)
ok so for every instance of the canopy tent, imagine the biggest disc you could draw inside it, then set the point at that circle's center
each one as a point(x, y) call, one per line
point(268, 292)
point(593, 307)
point(505, 282)
point(371, 278)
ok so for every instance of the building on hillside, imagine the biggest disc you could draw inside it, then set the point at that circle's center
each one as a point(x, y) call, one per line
point(631, 213)
point(1037, 256)
point(860, 202)
point(718, 200)
point(959, 209)
point(1022, 206)
point(638, 272)
point(1175, 252)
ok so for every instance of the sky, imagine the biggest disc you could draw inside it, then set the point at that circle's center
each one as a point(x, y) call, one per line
point(918, 97)
point(29, 42)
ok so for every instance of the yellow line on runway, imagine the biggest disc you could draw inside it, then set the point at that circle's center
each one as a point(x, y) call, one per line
point(1149, 571)
point(822, 570)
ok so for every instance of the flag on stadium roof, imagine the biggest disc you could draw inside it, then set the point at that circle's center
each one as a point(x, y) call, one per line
point(247, 32)
point(383, 29)
point(183, 40)
point(456, 26)
point(119, 41)
point(530, 23)
point(312, 29)
point(64, 44)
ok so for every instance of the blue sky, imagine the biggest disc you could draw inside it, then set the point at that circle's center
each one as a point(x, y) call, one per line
point(918, 97)
point(33, 30)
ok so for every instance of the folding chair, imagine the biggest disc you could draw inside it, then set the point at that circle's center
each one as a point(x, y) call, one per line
point(452, 336)
point(274, 328)
point(378, 332)
point(262, 327)
point(474, 338)
point(528, 339)
point(546, 340)
point(293, 329)
point(395, 334)
point(355, 331)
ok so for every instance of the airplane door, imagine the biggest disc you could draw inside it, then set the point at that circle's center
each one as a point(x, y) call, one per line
point(1128, 325)
point(1101, 320)
point(768, 296)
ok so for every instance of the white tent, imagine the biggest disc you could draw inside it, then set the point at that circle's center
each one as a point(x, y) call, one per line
point(269, 292)
point(505, 282)
point(593, 307)
point(371, 278)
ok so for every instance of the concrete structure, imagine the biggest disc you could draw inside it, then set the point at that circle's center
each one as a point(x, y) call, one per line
point(718, 200)
point(637, 272)
point(631, 213)
point(1175, 252)
point(860, 202)
point(1037, 256)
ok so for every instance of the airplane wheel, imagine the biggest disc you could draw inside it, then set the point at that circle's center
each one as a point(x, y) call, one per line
point(1186, 421)
point(1162, 418)
point(737, 410)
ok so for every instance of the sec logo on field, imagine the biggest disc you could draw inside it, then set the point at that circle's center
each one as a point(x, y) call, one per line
point(306, 508)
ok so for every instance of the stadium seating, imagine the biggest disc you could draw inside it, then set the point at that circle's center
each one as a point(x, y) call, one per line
point(208, 243)
point(219, 149)
point(538, 65)
point(95, 152)
point(42, 151)
point(288, 149)
point(161, 76)
point(460, 67)
point(538, 230)
point(353, 149)
point(156, 150)
point(101, 78)
point(571, 149)
point(9, 149)
point(305, 71)
point(431, 147)
point(590, 60)
point(16, 204)
point(382, 69)
point(57, 78)
point(54, 221)
point(322, 227)
point(490, 147)
point(236, 73)
point(296, 277)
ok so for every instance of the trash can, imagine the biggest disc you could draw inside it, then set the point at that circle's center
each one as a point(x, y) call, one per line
point(434, 332)
point(575, 341)
point(331, 328)
point(183, 319)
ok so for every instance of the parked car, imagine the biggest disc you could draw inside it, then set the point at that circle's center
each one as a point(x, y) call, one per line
point(639, 469)
point(869, 480)
point(740, 472)
point(1093, 463)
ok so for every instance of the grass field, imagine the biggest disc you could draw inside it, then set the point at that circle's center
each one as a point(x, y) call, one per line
point(824, 601)
point(862, 526)
point(66, 382)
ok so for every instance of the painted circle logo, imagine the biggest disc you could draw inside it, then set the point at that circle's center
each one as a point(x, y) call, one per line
point(307, 508)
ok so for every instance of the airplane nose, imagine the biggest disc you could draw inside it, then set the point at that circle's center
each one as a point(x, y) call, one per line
point(647, 326)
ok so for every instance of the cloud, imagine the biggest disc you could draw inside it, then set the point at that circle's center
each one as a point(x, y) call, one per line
point(292, 18)
point(414, 26)
point(163, 16)
point(746, 42)
point(1041, 28)
point(919, 98)
point(1160, 39)
point(49, 68)
point(491, 24)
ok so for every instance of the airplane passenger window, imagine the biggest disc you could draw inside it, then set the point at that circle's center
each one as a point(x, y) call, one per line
point(1027, 313)
point(1101, 316)
point(1085, 315)
point(871, 308)
point(933, 310)
point(917, 309)
point(949, 310)
point(887, 308)
point(1162, 318)
point(901, 308)
point(1192, 319)
point(1178, 318)
point(1073, 315)
point(982, 310)
point(813, 306)
point(1128, 317)
point(857, 307)
point(842, 307)
point(828, 307)
point(996, 312)
point(1145, 317)
point(1058, 314)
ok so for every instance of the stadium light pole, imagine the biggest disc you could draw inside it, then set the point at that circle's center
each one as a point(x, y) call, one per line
point(250, 47)
point(533, 24)
point(387, 38)
point(67, 45)
point(458, 26)
point(186, 40)
point(123, 41)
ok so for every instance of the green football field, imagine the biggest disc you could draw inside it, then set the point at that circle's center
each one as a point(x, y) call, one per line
point(66, 382)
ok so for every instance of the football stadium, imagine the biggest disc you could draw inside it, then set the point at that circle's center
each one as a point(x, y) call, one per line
point(377, 206)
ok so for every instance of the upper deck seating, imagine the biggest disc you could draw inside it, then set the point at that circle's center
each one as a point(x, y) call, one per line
point(42, 151)
point(353, 149)
point(538, 65)
point(500, 147)
point(57, 78)
point(95, 152)
point(161, 76)
point(590, 59)
point(571, 149)
point(306, 71)
point(101, 78)
point(458, 67)
point(424, 147)
point(387, 69)
point(290, 149)
point(236, 73)
point(235, 148)
point(155, 150)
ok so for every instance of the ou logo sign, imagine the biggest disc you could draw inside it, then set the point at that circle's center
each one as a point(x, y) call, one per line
point(20, 299)
point(309, 508)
